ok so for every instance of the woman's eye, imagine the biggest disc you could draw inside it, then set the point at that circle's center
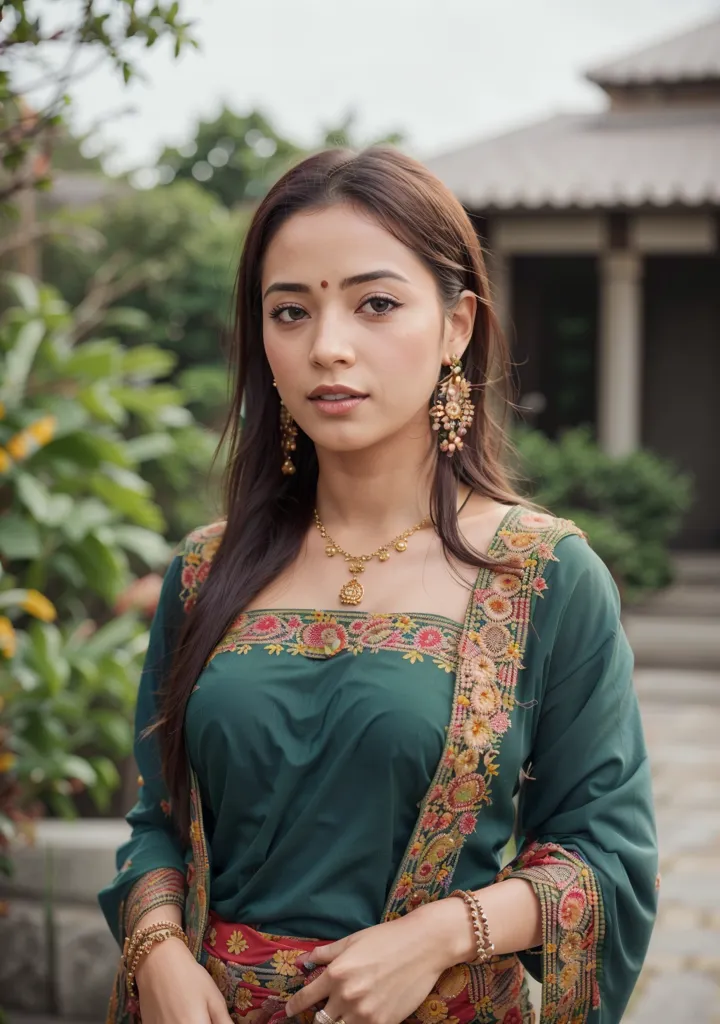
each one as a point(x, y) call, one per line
point(381, 301)
point(276, 314)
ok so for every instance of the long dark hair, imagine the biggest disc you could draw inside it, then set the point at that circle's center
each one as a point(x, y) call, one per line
point(268, 514)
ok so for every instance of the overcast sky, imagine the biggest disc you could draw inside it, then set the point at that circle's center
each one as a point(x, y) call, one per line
point(445, 71)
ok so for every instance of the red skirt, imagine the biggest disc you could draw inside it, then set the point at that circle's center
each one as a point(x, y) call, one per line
point(257, 973)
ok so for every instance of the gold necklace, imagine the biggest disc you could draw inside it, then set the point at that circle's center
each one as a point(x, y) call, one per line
point(353, 591)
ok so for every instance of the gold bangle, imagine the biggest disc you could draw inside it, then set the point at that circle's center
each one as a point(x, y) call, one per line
point(481, 928)
point(141, 942)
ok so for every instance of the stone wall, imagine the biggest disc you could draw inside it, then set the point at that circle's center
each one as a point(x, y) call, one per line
point(58, 957)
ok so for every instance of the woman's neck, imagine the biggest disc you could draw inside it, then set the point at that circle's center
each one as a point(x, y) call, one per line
point(374, 494)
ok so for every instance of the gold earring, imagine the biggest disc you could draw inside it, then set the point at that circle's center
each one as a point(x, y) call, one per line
point(453, 411)
point(288, 433)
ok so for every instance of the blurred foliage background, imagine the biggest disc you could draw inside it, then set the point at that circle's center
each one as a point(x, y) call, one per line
point(114, 303)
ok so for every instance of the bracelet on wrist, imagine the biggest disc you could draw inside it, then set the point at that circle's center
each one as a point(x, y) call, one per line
point(139, 944)
point(485, 949)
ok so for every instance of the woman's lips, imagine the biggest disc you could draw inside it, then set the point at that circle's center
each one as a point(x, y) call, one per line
point(337, 406)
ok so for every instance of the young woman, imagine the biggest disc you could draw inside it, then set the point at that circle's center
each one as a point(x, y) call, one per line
point(353, 675)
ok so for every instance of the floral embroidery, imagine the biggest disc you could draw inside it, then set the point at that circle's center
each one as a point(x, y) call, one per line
point(198, 553)
point(487, 653)
point(236, 943)
point(326, 634)
point(318, 634)
point(491, 648)
point(573, 927)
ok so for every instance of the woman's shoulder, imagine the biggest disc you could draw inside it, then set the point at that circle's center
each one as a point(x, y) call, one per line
point(202, 542)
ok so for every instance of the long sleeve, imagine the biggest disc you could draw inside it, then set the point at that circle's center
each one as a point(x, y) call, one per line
point(586, 816)
point(153, 857)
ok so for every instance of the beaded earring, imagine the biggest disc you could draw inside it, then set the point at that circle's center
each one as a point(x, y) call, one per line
point(288, 433)
point(453, 411)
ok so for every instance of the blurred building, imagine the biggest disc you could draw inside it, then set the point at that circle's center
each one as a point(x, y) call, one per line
point(604, 231)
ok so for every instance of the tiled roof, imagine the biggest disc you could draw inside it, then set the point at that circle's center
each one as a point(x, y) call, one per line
point(660, 157)
point(690, 57)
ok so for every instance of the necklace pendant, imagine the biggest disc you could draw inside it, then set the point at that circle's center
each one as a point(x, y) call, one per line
point(356, 567)
point(351, 592)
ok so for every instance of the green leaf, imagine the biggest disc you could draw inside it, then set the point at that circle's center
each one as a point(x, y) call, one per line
point(150, 446)
point(96, 360)
point(109, 637)
point(147, 362)
point(101, 403)
point(74, 767)
point(19, 361)
point(105, 568)
point(126, 318)
point(19, 537)
point(46, 655)
point(49, 509)
point(87, 516)
point(116, 732)
point(146, 544)
point(126, 501)
point(25, 290)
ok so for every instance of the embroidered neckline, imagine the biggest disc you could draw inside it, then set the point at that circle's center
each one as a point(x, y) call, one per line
point(316, 634)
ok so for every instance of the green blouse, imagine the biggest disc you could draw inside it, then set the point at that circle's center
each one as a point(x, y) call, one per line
point(316, 736)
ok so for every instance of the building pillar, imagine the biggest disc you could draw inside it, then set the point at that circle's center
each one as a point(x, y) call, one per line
point(620, 371)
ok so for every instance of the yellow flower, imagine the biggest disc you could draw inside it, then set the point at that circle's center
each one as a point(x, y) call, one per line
point(236, 943)
point(18, 445)
point(250, 978)
point(284, 962)
point(218, 972)
point(38, 605)
point(243, 1000)
point(433, 1010)
point(569, 975)
point(8, 639)
point(5, 461)
point(7, 761)
point(278, 985)
point(466, 762)
point(43, 430)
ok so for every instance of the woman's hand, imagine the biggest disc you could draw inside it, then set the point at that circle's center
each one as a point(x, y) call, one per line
point(382, 974)
point(175, 989)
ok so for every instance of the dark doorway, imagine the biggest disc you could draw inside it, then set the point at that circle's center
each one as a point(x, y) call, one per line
point(554, 343)
point(681, 386)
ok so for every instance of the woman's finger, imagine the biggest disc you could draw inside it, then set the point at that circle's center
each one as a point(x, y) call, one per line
point(333, 1009)
point(315, 992)
point(326, 953)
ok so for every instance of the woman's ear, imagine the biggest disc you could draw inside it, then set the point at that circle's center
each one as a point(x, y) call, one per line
point(459, 324)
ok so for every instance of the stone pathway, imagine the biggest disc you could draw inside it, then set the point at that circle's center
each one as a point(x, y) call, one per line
point(681, 980)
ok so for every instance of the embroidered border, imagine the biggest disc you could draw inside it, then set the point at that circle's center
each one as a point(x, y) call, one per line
point(573, 924)
point(198, 872)
point(153, 889)
point(491, 650)
point(326, 634)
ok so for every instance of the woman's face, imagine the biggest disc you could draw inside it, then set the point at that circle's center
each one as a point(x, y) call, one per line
point(325, 325)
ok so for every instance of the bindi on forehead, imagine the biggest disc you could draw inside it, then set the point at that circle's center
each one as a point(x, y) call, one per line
point(323, 284)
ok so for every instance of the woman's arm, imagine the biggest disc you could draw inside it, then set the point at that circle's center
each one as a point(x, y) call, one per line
point(151, 863)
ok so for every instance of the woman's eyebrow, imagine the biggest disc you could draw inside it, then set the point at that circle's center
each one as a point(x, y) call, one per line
point(347, 282)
